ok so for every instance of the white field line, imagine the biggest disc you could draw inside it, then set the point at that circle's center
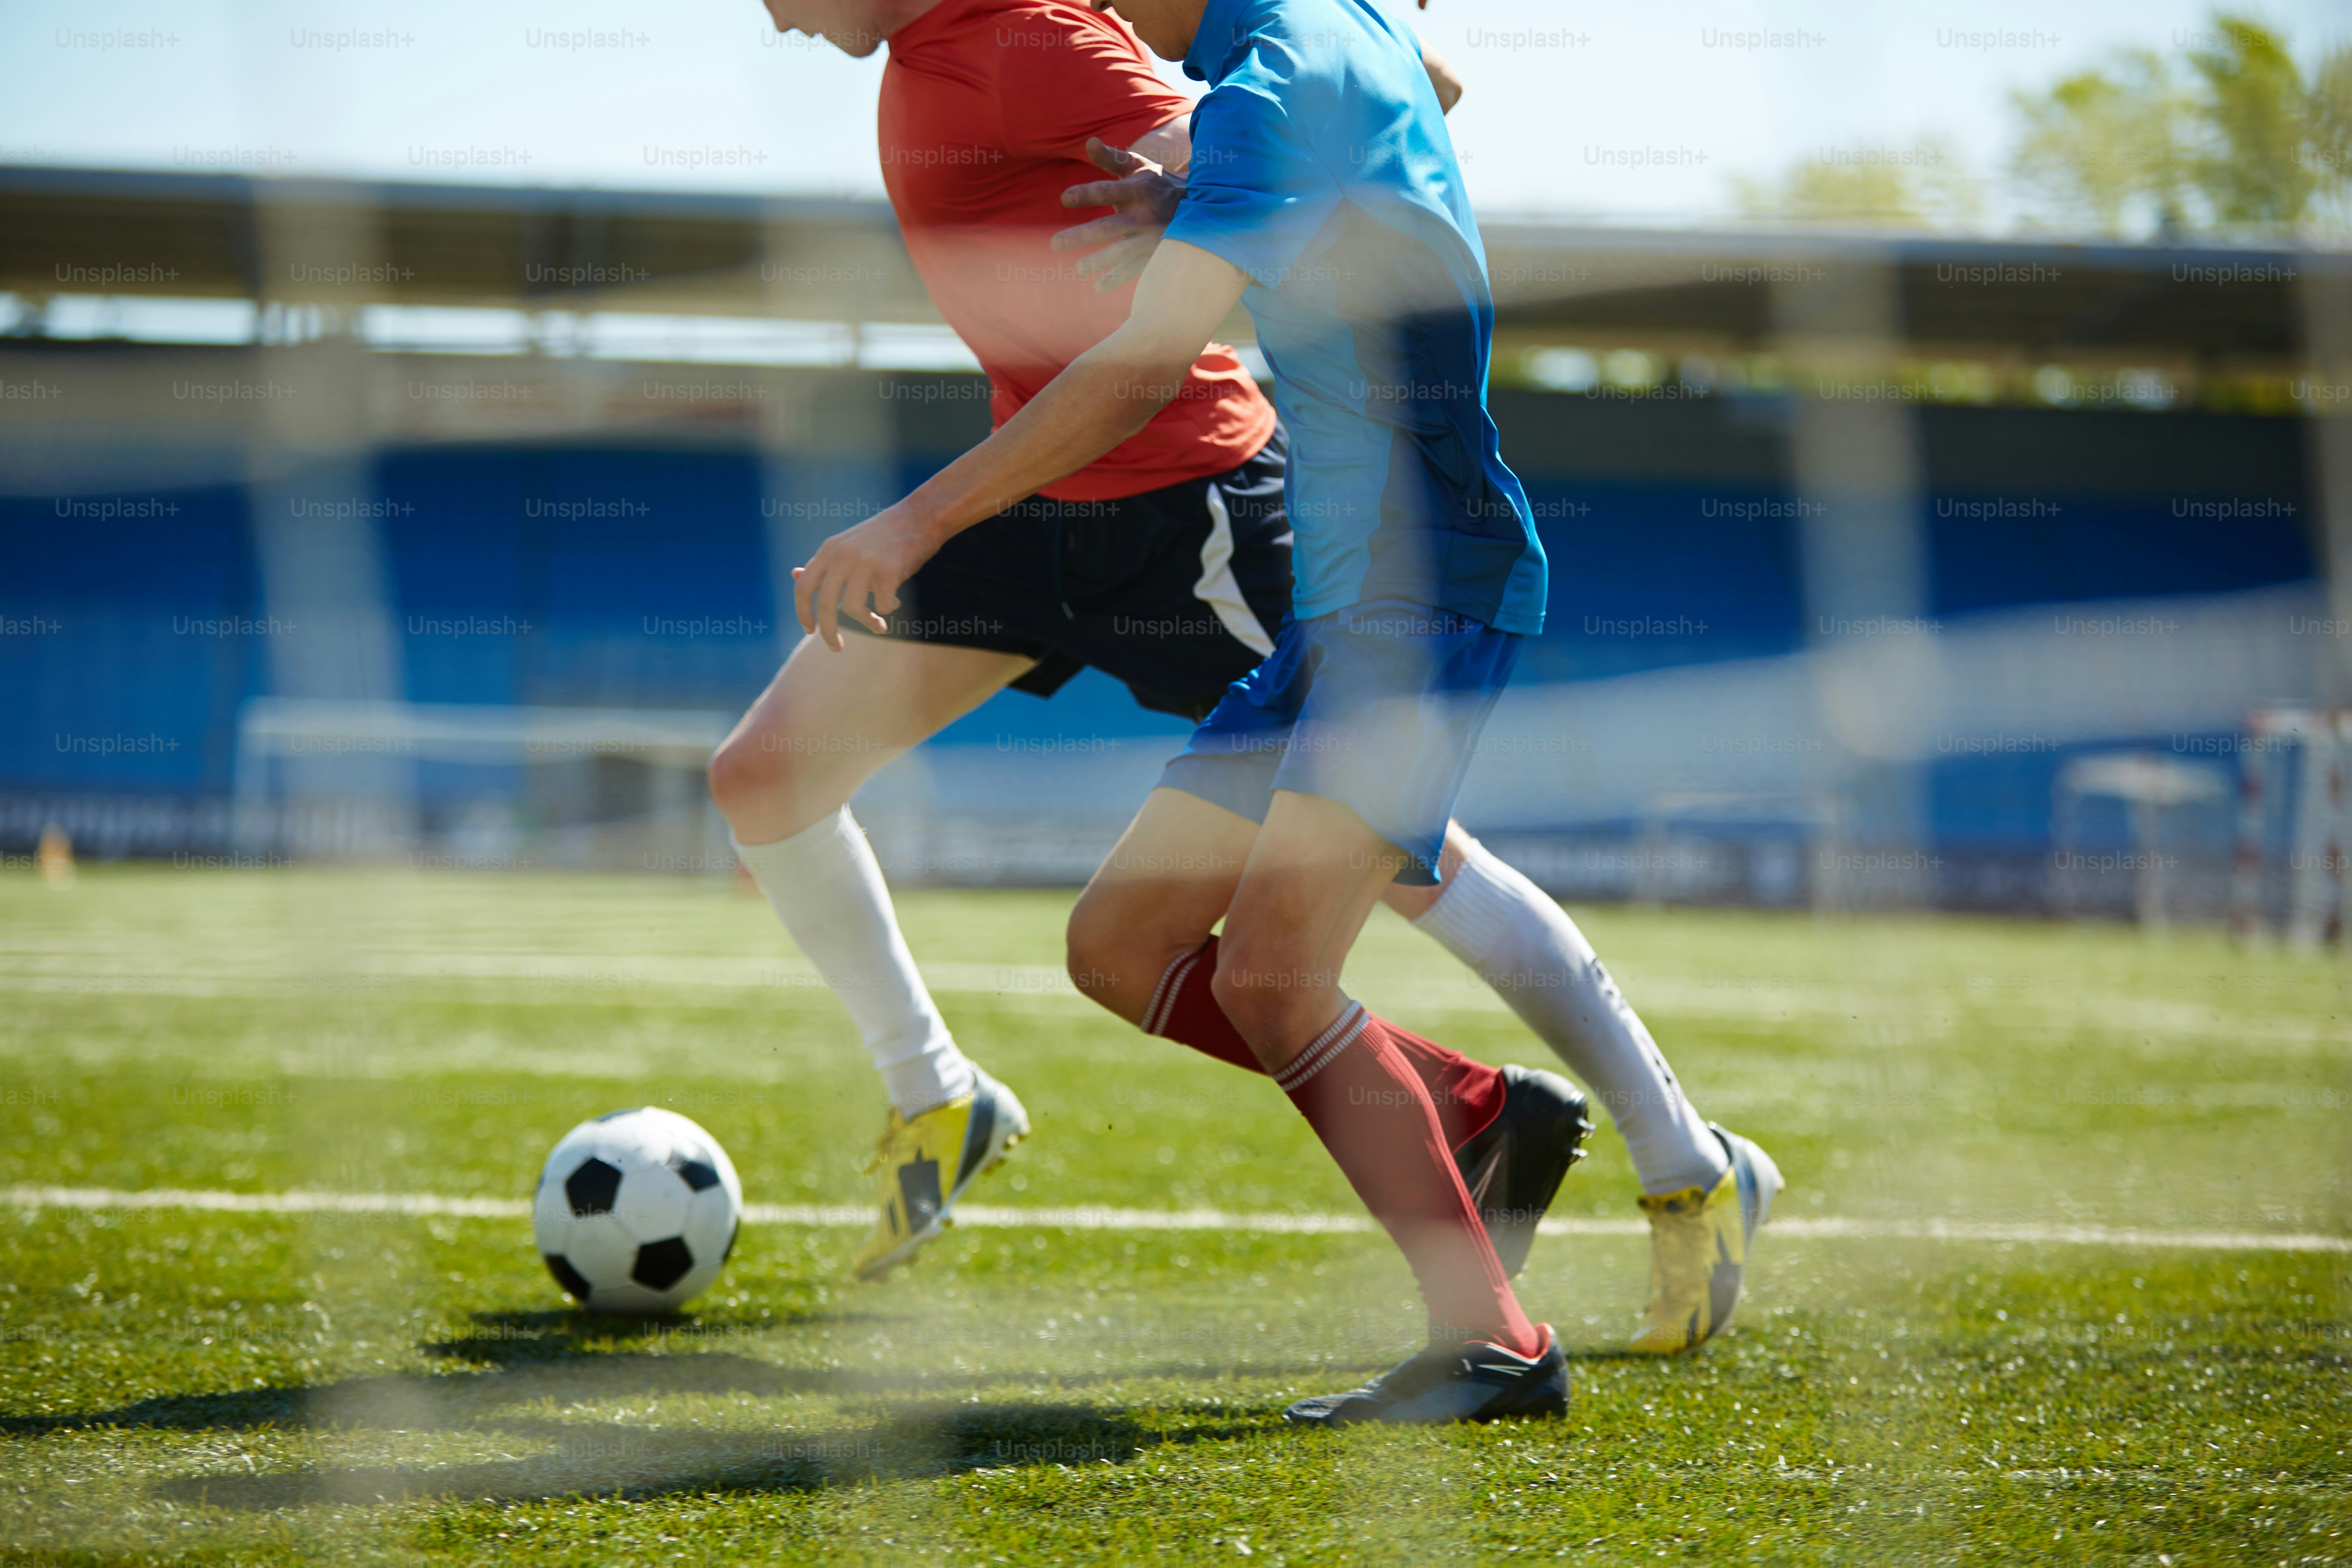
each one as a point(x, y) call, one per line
point(62, 969)
point(414, 1205)
point(562, 978)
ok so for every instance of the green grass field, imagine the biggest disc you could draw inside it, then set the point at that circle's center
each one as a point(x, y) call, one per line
point(184, 1385)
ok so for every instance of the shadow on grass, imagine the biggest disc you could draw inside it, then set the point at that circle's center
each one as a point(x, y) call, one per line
point(521, 1339)
point(583, 1460)
point(555, 1359)
point(593, 1460)
point(587, 1358)
point(454, 1401)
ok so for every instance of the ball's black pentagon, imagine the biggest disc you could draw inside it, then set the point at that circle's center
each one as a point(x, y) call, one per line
point(567, 1276)
point(625, 1110)
point(661, 1264)
point(694, 1167)
point(593, 1187)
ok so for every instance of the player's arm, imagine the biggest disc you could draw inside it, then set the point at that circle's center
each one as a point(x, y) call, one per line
point(1147, 180)
point(1101, 399)
point(1442, 77)
point(1442, 74)
point(1169, 146)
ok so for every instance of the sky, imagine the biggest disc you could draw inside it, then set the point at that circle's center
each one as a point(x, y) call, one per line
point(1616, 113)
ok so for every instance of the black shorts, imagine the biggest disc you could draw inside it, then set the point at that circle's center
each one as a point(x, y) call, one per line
point(1177, 591)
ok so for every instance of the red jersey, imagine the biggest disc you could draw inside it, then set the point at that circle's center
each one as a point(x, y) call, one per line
point(986, 108)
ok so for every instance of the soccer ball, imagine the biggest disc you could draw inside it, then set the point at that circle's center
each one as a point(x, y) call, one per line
point(636, 1211)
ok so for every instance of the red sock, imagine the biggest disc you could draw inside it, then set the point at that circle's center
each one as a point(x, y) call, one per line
point(1371, 1112)
point(1468, 1095)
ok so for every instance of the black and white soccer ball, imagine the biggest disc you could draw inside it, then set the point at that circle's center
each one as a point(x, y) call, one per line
point(636, 1211)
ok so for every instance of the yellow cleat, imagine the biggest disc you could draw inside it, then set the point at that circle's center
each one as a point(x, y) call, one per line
point(963, 1139)
point(1698, 1250)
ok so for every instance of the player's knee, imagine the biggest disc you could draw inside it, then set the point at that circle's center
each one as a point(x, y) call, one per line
point(1116, 955)
point(1102, 956)
point(1414, 902)
point(1253, 985)
point(746, 776)
point(1460, 846)
point(1088, 949)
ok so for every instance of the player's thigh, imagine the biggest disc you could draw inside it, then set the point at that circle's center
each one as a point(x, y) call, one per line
point(1158, 895)
point(829, 720)
point(1314, 873)
point(1412, 902)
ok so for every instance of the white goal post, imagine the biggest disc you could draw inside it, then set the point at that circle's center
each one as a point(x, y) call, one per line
point(2294, 760)
point(359, 789)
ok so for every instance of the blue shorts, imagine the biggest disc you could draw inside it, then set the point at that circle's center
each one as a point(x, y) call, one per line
point(1378, 706)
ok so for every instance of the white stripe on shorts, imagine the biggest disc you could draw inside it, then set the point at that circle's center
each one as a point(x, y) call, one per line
point(1217, 588)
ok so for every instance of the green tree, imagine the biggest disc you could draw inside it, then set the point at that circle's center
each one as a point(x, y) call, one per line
point(2239, 140)
point(2105, 146)
point(2329, 148)
point(1921, 186)
point(2256, 169)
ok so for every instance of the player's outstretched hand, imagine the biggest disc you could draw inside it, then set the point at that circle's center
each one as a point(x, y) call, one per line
point(1143, 196)
point(857, 565)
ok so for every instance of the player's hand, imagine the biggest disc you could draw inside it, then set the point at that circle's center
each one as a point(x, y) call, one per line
point(857, 565)
point(1143, 196)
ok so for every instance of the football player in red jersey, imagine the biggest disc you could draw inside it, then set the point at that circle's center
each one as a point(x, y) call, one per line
point(989, 111)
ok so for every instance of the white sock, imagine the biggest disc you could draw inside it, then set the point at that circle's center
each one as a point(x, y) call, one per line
point(827, 889)
point(1525, 946)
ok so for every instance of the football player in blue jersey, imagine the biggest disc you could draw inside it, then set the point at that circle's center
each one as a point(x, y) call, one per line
point(1325, 196)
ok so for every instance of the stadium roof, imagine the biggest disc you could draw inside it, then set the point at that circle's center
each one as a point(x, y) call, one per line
point(205, 236)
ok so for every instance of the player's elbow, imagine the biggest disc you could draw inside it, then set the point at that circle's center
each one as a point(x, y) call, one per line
point(1144, 384)
point(1145, 364)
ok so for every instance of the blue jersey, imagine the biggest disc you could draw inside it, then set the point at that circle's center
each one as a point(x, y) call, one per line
point(1322, 168)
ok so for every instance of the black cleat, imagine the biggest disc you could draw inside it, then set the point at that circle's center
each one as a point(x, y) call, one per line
point(1473, 1382)
point(1514, 1165)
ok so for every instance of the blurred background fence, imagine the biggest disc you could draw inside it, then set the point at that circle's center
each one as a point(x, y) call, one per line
point(452, 524)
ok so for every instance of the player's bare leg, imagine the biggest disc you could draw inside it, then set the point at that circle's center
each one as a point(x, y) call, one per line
point(1140, 945)
point(828, 723)
point(1306, 883)
point(1315, 871)
point(1157, 897)
point(823, 726)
